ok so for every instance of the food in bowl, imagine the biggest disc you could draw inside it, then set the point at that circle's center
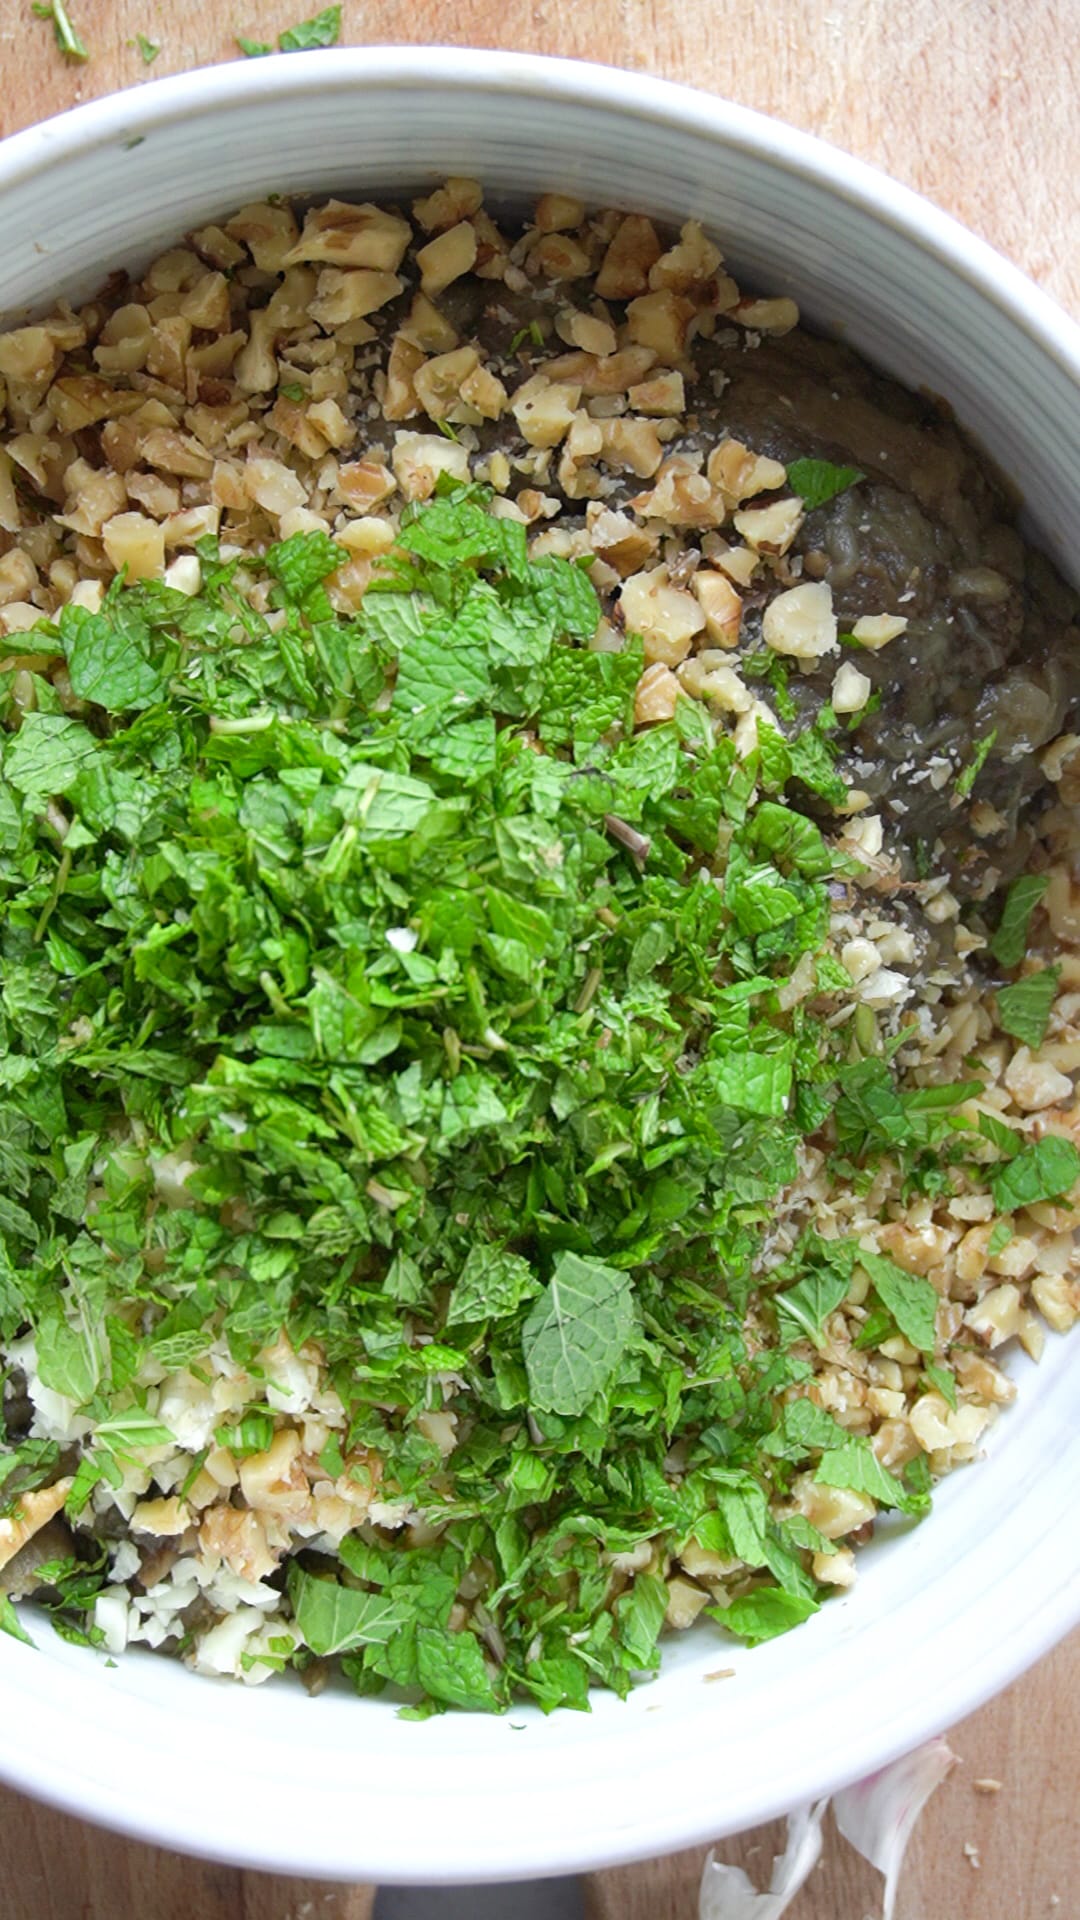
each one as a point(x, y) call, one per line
point(538, 833)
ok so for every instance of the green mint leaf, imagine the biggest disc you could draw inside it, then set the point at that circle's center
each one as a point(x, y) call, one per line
point(1047, 1170)
point(804, 1428)
point(47, 754)
point(910, 1299)
point(763, 1614)
point(755, 1082)
point(792, 841)
point(440, 676)
point(332, 1619)
point(816, 481)
point(1009, 943)
point(639, 1616)
point(855, 1465)
point(149, 49)
point(1005, 1139)
point(812, 761)
point(451, 1668)
point(966, 779)
point(10, 1622)
point(380, 805)
point(323, 30)
point(999, 1239)
point(107, 660)
point(1024, 1008)
point(941, 1099)
point(804, 1308)
point(29, 1465)
point(253, 49)
point(302, 562)
point(465, 752)
point(253, 1434)
point(132, 1429)
point(576, 1334)
point(492, 1284)
point(944, 1382)
point(71, 1357)
point(870, 1112)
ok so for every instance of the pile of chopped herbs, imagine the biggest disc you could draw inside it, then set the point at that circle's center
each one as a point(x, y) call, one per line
point(461, 1004)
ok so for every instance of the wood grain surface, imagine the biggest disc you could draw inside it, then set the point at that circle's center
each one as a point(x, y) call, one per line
point(974, 104)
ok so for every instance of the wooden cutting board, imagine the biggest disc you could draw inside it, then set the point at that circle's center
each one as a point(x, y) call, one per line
point(975, 104)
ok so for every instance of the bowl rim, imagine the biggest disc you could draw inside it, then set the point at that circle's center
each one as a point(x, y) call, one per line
point(129, 114)
point(133, 111)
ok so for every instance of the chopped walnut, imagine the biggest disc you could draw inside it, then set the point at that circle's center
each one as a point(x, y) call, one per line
point(766, 316)
point(400, 399)
point(350, 294)
point(741, 474)
point(666, 618)
point(631, 255)
point(342, 235)
point(875, 630)
point(437, 383)
point(770, 529)
point(558, 212)
point(663, 393)
point(633, 444)
point(594, 375)
point(586, 331)
point(720, 604)
point(544, 410)
point(661, 321)
point(268, 232)
point(419, 458)
point(690, 262)
point(427, 328)
point(446, 258)
point(557, 257)
point(656, 695)
point(619, 540)
point(458, 199)
point(801, 623)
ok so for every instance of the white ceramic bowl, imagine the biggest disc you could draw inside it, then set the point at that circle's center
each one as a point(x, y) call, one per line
point(940, 1618)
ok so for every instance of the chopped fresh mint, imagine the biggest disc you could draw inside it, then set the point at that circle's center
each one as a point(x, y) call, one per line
point(253, 1434)
point(534, 332)
point(10, 1621)
point(1024, 1008)
point(764, 1613)
point(967, 777)
point(365, 977)
point(1004, 1138)
point(68, 38)
point(855, 1465)
point(910, 1299)
point(576, 1334)
point(1047, 1170)
point(332, 1619)
point(816, 481)
point(943, 1382)
point(322, 30)
point(1009, 943)
point(149, 49)
point(999, 1239)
